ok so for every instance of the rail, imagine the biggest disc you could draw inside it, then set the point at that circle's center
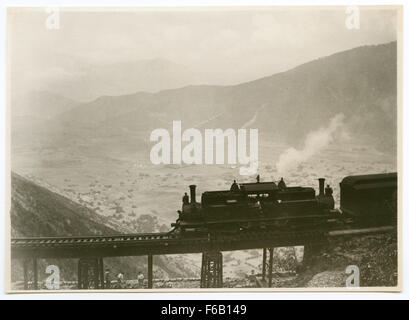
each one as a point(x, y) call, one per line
point(171, 243)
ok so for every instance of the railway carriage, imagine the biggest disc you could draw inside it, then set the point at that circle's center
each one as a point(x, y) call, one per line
point(370, 199)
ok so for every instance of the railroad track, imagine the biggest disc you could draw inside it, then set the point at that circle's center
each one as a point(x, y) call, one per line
point(171, 242)
point(89, 240)
point(151, 238)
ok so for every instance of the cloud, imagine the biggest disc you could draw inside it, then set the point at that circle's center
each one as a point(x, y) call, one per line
point(227, 46)
point(314, 142)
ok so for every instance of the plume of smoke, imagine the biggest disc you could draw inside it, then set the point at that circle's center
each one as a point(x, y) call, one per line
point(314, 142)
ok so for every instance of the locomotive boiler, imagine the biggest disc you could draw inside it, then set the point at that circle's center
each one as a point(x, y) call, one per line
point(258, 205)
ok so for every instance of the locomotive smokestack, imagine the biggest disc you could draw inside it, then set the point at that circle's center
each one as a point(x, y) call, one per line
point(321, 183)
point(192, 193)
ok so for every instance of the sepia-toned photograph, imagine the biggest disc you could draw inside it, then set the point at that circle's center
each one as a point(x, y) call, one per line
point(204, 148)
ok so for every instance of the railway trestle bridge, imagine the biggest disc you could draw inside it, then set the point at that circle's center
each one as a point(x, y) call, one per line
point(91, 251)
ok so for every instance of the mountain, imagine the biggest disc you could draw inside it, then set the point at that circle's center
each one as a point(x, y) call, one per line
point(150, 75)
point(360, 83)
point(40, 104)
point(30, 110)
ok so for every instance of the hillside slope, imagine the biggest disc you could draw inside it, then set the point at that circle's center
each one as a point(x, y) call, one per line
point(38, 212)
point(376, 256)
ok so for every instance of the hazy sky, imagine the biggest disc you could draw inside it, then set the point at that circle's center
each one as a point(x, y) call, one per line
point(224, 47)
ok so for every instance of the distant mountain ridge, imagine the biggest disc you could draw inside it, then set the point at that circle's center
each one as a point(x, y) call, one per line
point(121, 78)
point(41, 104)
point(361, 83)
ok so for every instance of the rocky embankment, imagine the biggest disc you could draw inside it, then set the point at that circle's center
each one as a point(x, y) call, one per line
point(376, 257)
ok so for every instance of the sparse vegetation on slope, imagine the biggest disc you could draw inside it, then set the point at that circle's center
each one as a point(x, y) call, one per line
point(38, 212)
point(374, 255)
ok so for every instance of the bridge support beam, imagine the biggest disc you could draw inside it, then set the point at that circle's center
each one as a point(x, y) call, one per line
point(310, 252)
point(101, 272)
point(90, 273)
point(212, 270)
point(264, 264)
point(150, 271)
point(25, 273)
point(270, 266)
point(35, 274)
point(267, 266)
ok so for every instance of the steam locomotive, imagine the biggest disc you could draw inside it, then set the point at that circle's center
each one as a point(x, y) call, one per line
point(369, 199)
